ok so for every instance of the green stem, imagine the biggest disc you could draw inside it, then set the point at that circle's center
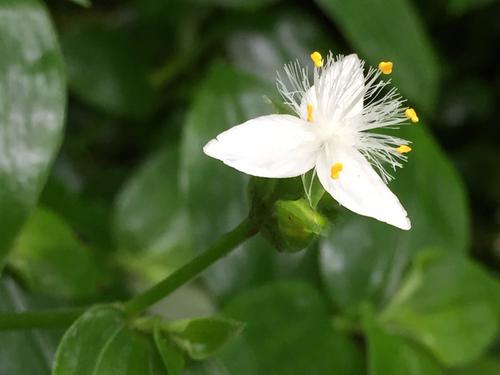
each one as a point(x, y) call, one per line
point(220, 248)
point(39, 319)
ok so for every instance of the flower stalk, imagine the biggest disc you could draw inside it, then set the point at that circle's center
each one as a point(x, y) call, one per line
point(220, 248)
point(63, 318)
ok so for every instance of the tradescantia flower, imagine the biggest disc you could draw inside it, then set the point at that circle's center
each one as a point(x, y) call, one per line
point(330, 133)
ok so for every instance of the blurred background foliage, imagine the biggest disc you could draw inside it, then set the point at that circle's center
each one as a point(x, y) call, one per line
point(128, 196)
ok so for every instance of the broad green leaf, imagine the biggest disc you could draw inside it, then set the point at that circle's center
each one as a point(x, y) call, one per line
point(23, 352)
point(217, 194)
point(288, 331)
point(101, 343)
point(459, 7)
point(392, 355)
point(87, 216)
point(391, 30)
point(83, 3)
point(265, 44)
point(448, 304)
point(245, 4)
point(52, 261)
point(202, 337)
point(33, 99)
point(107, 69)
point(150, 221)
point(171, 356)
point(208, 367)
point(483, 366)
point(370, 266)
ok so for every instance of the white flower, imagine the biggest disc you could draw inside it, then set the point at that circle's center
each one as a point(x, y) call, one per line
point(330, 133)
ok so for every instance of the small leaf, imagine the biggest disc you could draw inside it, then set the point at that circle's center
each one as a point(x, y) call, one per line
point(101, 343)
point(448, 304)
point(202, 337)
point(393, 355)
point(51, 260)
point(32, 105)
point(171, 356)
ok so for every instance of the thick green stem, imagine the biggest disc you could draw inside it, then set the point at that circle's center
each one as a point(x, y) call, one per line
point(39, 319)
point(219, 249)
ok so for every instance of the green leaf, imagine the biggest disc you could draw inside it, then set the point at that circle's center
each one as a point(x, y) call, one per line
point(83, 3)
point(172, 358)
point(28, 351)
point(357, 268)
point(33, 99)
point(87, 216)
point(288, 331)
point(202, 337)
point(107, 69)
point(392, 355)
point(483, 366)
point(391, 30)
point(264, 44)
point(448, 304)
point(208, 367)
point(101, 343)
point(460, 7)
point(150, 221)
point(51, 260)
point(245, 4)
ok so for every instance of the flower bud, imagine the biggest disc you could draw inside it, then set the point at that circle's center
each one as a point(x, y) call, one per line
point(293, 225)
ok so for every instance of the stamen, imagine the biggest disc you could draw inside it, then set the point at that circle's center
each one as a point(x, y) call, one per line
point(403, 149)
point(309, 112)
point(317, 59)
point(385, 67)
point(411, 114)
point(335, 170)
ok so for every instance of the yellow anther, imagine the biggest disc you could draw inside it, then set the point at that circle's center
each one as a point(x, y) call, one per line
point(335, 170)
point(309, 112)
point(317, 59)
point(412, 115)
point(385, 67)
point(403, 149)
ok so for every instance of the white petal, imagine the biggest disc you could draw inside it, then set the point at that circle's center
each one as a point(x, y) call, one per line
point(268, 146)
point(338, 92)
point(359, 188)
